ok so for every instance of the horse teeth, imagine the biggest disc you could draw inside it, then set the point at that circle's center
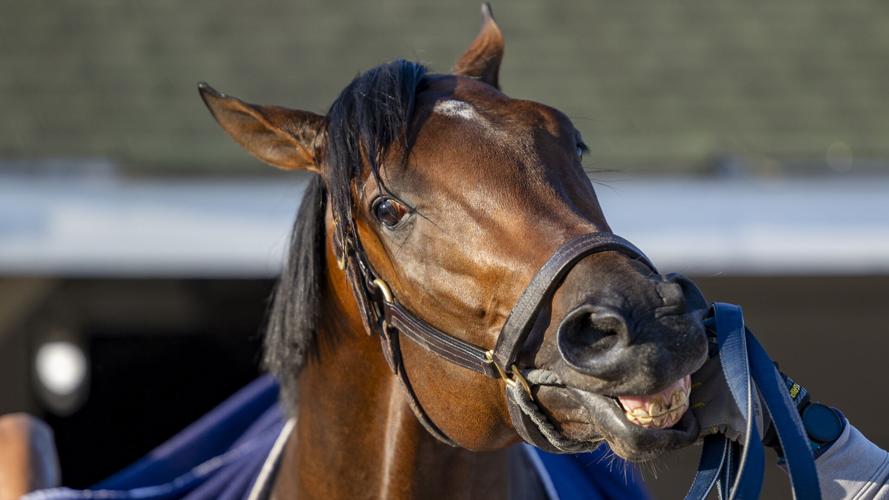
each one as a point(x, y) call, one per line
point(661, 410)
point(655, 408)
point(640, 419)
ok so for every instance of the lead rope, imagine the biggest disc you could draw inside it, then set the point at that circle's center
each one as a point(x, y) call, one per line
point(737, 470)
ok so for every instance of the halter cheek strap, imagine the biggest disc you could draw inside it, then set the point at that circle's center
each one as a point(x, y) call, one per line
point(383, 314)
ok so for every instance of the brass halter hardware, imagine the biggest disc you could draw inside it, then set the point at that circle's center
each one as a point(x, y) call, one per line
point(384, 289)
point(516, 378)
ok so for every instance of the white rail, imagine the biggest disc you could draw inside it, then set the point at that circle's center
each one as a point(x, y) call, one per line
point(236, 227)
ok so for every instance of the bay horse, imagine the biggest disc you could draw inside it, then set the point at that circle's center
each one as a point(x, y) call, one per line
point(453, 287)
point(434, 204)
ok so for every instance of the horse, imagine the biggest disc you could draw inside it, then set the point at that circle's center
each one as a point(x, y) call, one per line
point(453, 288)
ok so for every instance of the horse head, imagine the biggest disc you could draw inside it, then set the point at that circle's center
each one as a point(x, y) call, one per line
point(454, 195)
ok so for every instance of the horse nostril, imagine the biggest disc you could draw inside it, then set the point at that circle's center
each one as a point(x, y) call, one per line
point(589, 334)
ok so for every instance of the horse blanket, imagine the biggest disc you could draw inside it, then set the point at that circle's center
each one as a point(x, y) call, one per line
point(224, 454)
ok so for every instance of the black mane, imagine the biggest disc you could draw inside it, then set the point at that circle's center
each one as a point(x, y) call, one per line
point(371, 115)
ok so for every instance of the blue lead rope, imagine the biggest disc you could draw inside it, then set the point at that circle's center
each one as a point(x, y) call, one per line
point(735, 469)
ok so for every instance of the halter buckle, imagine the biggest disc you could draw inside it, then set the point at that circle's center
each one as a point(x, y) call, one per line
point(516, 377)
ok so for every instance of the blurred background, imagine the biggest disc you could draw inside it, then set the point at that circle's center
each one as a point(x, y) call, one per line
point(743, 143)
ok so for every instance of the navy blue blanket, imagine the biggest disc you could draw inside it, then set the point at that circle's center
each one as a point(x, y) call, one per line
point(220, 457)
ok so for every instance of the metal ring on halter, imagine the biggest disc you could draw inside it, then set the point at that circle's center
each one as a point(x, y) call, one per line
point(517, 377)
point(384, 289)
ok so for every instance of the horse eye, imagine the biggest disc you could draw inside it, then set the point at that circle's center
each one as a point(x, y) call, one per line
point(581, 148)
point(388, 211)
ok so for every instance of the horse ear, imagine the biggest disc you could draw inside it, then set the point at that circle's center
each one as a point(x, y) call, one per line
point(482, 59)
point(284, 138)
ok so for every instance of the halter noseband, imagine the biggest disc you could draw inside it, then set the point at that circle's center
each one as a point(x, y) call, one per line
point(381, 312)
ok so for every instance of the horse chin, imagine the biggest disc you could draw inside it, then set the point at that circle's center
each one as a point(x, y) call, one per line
point(589, 417)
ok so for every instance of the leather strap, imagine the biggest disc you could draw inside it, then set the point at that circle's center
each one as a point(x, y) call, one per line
point(518, 325)
point(351, 259)
point(392, 350)
point(521, 319)
point(736, 470)
point(438, 342)
point(381, 312)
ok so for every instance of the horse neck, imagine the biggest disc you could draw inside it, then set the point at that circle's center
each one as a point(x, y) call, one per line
point(356, 436)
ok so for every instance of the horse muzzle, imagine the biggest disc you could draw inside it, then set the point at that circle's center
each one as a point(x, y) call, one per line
point(624, 355)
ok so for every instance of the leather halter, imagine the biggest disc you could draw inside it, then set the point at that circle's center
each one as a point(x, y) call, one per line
point(735, 469)
point(382, 313)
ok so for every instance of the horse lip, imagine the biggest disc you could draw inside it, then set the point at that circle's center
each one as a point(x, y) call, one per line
point(606, 418)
